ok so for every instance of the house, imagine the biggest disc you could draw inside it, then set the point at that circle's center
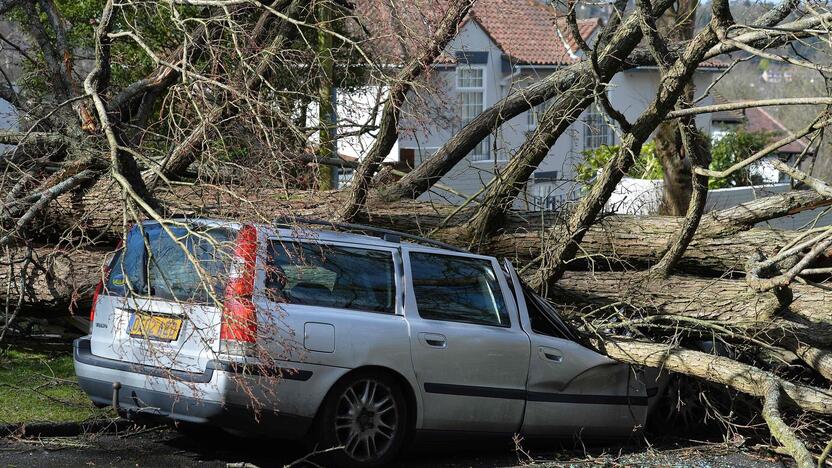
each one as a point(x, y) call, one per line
point(759, 120)
point(502, 46)
point(774, 73)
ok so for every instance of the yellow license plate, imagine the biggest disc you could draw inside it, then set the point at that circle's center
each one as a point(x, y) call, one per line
point(156, 327)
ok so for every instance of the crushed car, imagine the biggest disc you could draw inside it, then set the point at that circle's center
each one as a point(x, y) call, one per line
point(349, 336)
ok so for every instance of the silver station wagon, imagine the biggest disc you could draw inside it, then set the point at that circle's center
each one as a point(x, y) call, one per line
point(352, 341)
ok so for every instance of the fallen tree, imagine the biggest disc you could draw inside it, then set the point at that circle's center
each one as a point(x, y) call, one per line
point(226, 99)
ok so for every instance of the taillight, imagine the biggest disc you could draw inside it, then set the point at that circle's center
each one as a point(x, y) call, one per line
point(238, 329)
point(105, 276)
point(95, 296)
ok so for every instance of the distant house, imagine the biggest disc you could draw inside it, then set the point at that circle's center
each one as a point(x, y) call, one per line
point(503, 46)
point(775, 73)
point(758, 119)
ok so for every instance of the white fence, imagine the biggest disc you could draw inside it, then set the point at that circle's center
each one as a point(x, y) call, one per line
point(643, 197)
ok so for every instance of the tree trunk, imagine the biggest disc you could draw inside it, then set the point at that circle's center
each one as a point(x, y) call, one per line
point(806, 315)
point(716, 369)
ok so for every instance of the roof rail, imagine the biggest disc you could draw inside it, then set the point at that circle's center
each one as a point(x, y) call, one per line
point(384, 233)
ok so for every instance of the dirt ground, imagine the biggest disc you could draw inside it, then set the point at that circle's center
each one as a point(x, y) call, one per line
point(165, 447)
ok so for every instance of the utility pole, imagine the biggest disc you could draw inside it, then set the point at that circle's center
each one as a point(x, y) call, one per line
point(327, 117)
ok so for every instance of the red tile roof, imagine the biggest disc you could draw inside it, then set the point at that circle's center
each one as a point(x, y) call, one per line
point(530, 32)
point(758, 120)
point(526, 30)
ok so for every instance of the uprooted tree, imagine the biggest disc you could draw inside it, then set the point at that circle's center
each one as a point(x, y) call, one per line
point(199, 108)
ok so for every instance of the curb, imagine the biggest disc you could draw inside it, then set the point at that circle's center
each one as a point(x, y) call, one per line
point(67, 429)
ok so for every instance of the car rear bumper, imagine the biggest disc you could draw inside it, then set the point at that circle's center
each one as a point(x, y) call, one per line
point(202, 398)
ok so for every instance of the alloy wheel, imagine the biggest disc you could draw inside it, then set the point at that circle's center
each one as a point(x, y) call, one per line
point(366, 419)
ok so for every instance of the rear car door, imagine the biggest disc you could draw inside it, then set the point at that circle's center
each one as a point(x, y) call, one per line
point(469, 353)
point(333, 304)
point(571, 388)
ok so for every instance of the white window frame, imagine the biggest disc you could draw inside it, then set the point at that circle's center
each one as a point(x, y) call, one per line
point(486, 143)
point(609, 134)
point(535, 112)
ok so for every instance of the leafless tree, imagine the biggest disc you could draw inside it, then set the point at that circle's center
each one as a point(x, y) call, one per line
point(200, 107)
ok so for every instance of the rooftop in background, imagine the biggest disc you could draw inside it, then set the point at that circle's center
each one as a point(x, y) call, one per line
point(757, 119)
point(527, 31)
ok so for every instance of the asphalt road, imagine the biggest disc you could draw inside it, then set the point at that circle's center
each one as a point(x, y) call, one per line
point(170, 448)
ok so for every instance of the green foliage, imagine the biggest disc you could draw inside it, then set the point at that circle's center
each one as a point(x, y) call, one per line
point(36, 386)
point(646, 167)
point(129, 62)
point(731, 149)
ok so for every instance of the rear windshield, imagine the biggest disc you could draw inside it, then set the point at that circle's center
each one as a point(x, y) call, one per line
point(155, 264)
point(331, 276)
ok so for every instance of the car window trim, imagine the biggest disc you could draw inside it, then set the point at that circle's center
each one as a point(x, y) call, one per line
point(395, 255)
point(415, 248)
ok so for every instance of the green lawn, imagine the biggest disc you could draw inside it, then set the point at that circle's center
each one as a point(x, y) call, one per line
point(38, 386)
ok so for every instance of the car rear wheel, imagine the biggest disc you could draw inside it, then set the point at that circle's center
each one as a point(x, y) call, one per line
point(365, 419)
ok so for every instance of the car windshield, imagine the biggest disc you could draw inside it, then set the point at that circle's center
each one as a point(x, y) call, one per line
point(155, 264)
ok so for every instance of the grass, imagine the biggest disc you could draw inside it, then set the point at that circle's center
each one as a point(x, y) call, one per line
point(38, 386)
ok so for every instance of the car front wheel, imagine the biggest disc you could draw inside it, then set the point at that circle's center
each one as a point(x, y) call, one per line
point(364, 420)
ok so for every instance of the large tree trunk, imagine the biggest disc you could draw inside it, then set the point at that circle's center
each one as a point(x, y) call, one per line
point(717, 369)
point(723, 243)
point(802, 313)
point(54, 280)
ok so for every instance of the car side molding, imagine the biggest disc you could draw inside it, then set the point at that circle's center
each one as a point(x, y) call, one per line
point(512, 394)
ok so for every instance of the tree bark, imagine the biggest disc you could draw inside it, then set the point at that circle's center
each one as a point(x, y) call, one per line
point(780, 430)
point(57, 280)
point(721, 370)
point(806, 315)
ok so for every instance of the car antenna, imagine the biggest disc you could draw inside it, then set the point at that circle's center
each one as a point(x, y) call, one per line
point(387, 234)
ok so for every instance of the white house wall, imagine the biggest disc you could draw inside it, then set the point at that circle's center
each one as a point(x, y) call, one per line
point(630, 92)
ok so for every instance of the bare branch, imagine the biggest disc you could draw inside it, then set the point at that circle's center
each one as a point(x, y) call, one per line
point(818, 100)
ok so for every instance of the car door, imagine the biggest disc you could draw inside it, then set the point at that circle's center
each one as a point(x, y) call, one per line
point(573, 389)
point(469, 353)
point(329, 307)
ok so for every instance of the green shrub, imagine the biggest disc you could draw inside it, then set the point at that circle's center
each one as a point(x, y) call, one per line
point(731, 149)
point(727, 151)
point(646, 167)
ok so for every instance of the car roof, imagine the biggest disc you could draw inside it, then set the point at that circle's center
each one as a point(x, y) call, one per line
point(315, 234)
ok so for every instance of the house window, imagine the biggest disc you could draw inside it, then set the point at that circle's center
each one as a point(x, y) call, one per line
point(470, 85)
point(536, 113)
point(344, 176)
point(597, 132)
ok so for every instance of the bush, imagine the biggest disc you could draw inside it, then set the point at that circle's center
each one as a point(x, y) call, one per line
point(731, 149)
point(646, 167)
point(725, 152)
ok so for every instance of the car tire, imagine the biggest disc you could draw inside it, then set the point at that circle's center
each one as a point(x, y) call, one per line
point(365, 418)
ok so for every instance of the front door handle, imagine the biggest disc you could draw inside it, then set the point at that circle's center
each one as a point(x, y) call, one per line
point(434, 340)
point(550, 354)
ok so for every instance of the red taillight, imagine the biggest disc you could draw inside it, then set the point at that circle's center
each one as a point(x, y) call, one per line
point(105, 276)
point(239, 317)
point(95, 296)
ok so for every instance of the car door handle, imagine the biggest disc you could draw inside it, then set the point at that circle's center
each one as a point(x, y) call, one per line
point(434, 340)
point(550, 354)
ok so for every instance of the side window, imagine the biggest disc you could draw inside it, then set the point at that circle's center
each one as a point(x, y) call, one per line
point(541, 323)
point(457, 289)
point(331, 276)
